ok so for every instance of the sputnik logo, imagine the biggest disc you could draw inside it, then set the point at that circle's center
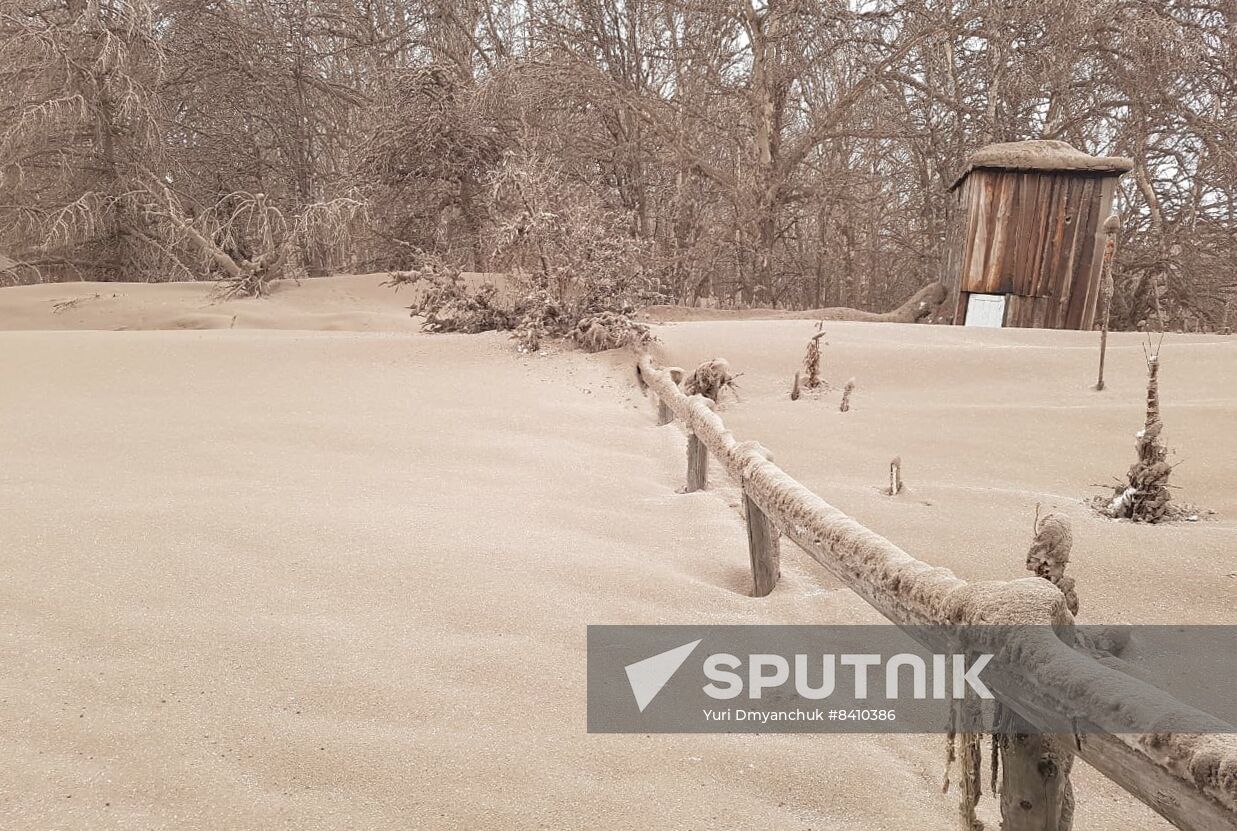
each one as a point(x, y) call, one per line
point(647, 677)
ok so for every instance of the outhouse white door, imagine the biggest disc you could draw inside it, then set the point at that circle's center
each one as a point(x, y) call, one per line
point(985, 310)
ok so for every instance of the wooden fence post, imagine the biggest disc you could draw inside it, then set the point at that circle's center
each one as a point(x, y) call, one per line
point(1036, 794)
point(697, 464)
point(763, 542)
point(664, 416)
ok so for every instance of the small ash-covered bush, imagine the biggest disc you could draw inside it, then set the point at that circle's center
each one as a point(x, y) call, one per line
point(601, 319)
point(541, 318)
point(710, 379)
point(609, 330)
point(1144, 495)
point(574, 270)
point(448, 304)
point(811, 359)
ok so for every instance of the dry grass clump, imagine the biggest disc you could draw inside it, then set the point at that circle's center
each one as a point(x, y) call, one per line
point(710, 379)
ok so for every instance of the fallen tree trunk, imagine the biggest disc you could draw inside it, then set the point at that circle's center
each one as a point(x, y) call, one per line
point(917, 307)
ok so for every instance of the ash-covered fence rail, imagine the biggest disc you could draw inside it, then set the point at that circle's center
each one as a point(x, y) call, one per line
point(1190, 779)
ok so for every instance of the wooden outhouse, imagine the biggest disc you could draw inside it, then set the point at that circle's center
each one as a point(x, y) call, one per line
point(1027, 237)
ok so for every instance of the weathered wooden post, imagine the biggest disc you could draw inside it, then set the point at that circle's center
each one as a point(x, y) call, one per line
point(664, 416)
point(763, 540)
point(698, 457)
point(1111, 226)
point(1036, 794)
point(697, 464)
point(895, 476)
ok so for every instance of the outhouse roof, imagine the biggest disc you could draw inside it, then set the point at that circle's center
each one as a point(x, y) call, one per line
point(1044, 155)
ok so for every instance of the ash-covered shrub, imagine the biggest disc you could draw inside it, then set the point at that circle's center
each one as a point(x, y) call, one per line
point(1144, 497)
point(591, 328)
point(811, 359)
point(609, 330)
point(576, 272)
point(710, 379)
point(541, 319)
point(581, 272)
point(448, 304)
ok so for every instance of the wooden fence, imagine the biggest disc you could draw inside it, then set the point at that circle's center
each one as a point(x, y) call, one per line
point(1190, 779)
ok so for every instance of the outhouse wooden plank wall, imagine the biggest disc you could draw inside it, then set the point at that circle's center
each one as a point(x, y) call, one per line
point(1028, 227)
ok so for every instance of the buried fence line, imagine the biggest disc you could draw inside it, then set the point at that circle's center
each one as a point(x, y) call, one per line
point(1190, 779)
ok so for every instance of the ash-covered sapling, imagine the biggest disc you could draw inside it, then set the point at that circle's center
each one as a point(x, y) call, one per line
point(1144, 495)
point(710, 379)
point(811, 359)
